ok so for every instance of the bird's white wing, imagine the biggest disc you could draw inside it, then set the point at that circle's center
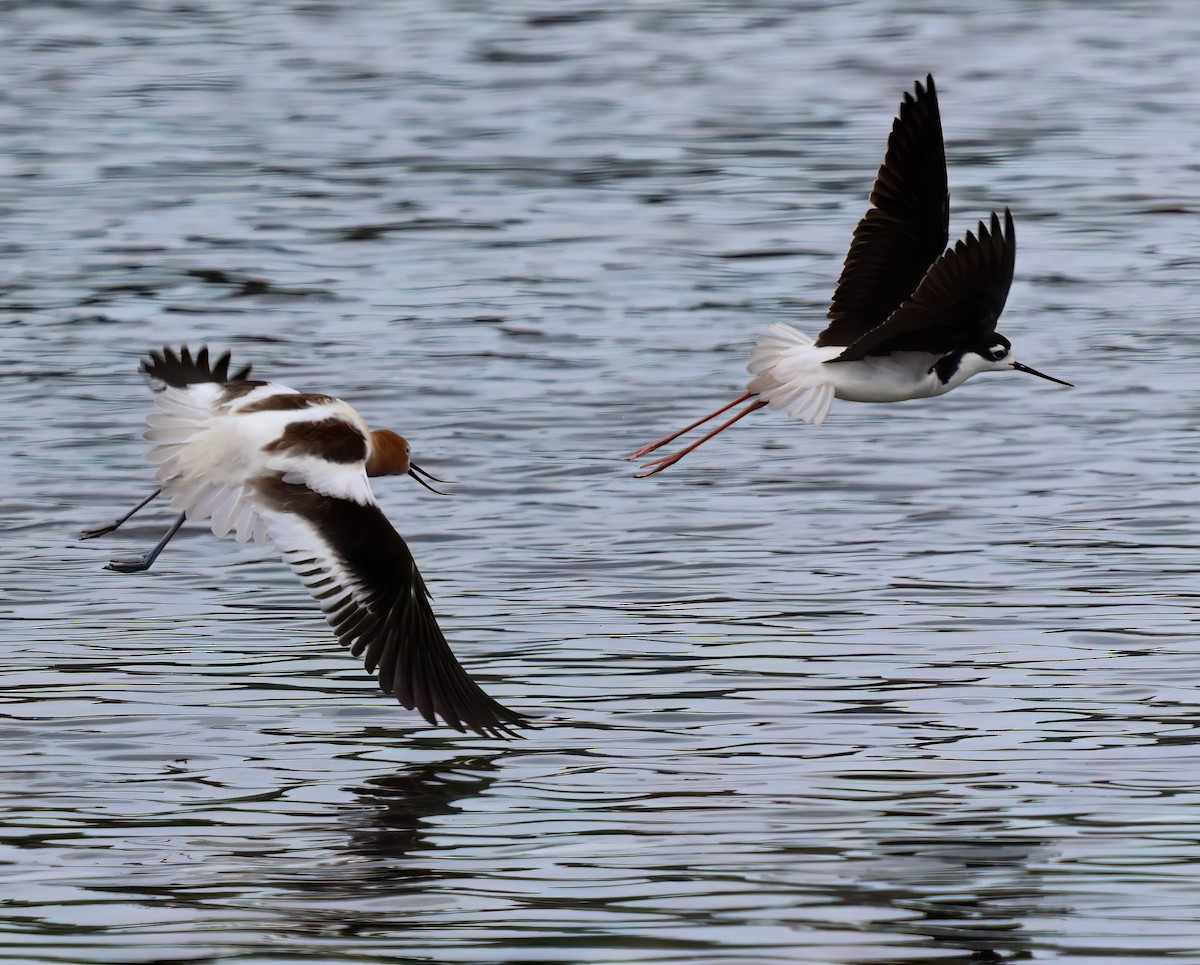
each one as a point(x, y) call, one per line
point(212, 440)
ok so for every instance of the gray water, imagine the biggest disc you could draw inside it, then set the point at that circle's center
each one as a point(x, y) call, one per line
point(919, 685)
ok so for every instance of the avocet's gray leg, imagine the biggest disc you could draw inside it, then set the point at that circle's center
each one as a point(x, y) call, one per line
point(138, 563)
point(95, 531)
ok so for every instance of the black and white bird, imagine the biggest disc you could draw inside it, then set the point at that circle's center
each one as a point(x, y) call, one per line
point(265, 462)
point(910, 317)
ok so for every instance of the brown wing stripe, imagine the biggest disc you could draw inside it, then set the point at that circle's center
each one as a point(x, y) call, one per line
point(333, 439)
point(287, 401)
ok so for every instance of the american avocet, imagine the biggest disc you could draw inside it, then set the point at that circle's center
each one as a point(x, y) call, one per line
point(263, 461)
point(910, 318)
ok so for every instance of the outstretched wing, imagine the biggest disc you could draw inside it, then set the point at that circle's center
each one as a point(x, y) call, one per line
point(956, 304)
point(362, 574)
point(905, 229)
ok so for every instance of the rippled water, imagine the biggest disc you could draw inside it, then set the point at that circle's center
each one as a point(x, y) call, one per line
point(919, 685)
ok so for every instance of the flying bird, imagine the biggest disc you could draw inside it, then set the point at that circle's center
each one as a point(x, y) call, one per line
point(910, 318)
point(263, 461)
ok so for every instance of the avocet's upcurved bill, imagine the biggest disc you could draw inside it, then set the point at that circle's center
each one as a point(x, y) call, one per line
point(263, 461)
point(910, 317)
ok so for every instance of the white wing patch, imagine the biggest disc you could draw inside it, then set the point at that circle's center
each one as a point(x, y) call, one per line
point(329, 582)
point(209, 451)
point(197, 461)
point(347, 481)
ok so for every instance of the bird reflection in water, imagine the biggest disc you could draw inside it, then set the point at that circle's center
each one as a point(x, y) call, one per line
point(972, 885)
point(395, 808)
point(386, 824)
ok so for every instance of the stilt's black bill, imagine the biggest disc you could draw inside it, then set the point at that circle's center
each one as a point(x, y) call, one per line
point(413, 469)
point(1041, 375)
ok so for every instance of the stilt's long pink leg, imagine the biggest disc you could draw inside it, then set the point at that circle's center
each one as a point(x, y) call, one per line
point(637, 454)
point(658, 465)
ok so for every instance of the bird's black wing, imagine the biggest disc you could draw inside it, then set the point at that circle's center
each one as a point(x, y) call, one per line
point(361, 572)
point(182, 369)
point(956, 305)
point(905, 229)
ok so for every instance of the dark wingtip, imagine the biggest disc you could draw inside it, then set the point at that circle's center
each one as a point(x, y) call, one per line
point(470, 709)
point(926, 91)
point(462, 704)
point(505, 729)
point(993, 226)
point(182, 369)
point(423, 673)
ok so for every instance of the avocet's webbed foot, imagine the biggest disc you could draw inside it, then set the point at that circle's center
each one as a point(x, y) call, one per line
point(93, 531)
point(135, 564)
point(130, 564)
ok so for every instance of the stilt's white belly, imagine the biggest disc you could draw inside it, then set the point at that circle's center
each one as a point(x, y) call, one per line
point(786, 364)
point(789, 372)
point(893, 378)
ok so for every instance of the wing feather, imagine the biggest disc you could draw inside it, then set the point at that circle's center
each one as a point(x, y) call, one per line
point(360, 571)
point(905, 229)
point(180, 369)
point(957, 304)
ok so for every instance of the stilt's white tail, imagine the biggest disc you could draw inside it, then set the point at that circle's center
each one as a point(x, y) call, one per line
point(777, 339)
point(787, 374)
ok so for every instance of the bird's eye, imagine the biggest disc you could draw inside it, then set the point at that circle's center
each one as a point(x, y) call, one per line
point(998, 353)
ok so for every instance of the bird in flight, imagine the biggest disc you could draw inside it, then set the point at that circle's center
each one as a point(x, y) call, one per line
point(265, 462)
point(910, 318)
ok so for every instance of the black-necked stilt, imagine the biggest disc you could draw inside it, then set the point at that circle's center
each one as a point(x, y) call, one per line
point(910, 317)
point(263, 461)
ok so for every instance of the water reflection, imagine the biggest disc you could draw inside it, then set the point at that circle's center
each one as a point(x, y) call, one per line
point(974, 888)
point(394, 819)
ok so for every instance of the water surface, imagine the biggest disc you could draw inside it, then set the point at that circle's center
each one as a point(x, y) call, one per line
point(919, 685)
